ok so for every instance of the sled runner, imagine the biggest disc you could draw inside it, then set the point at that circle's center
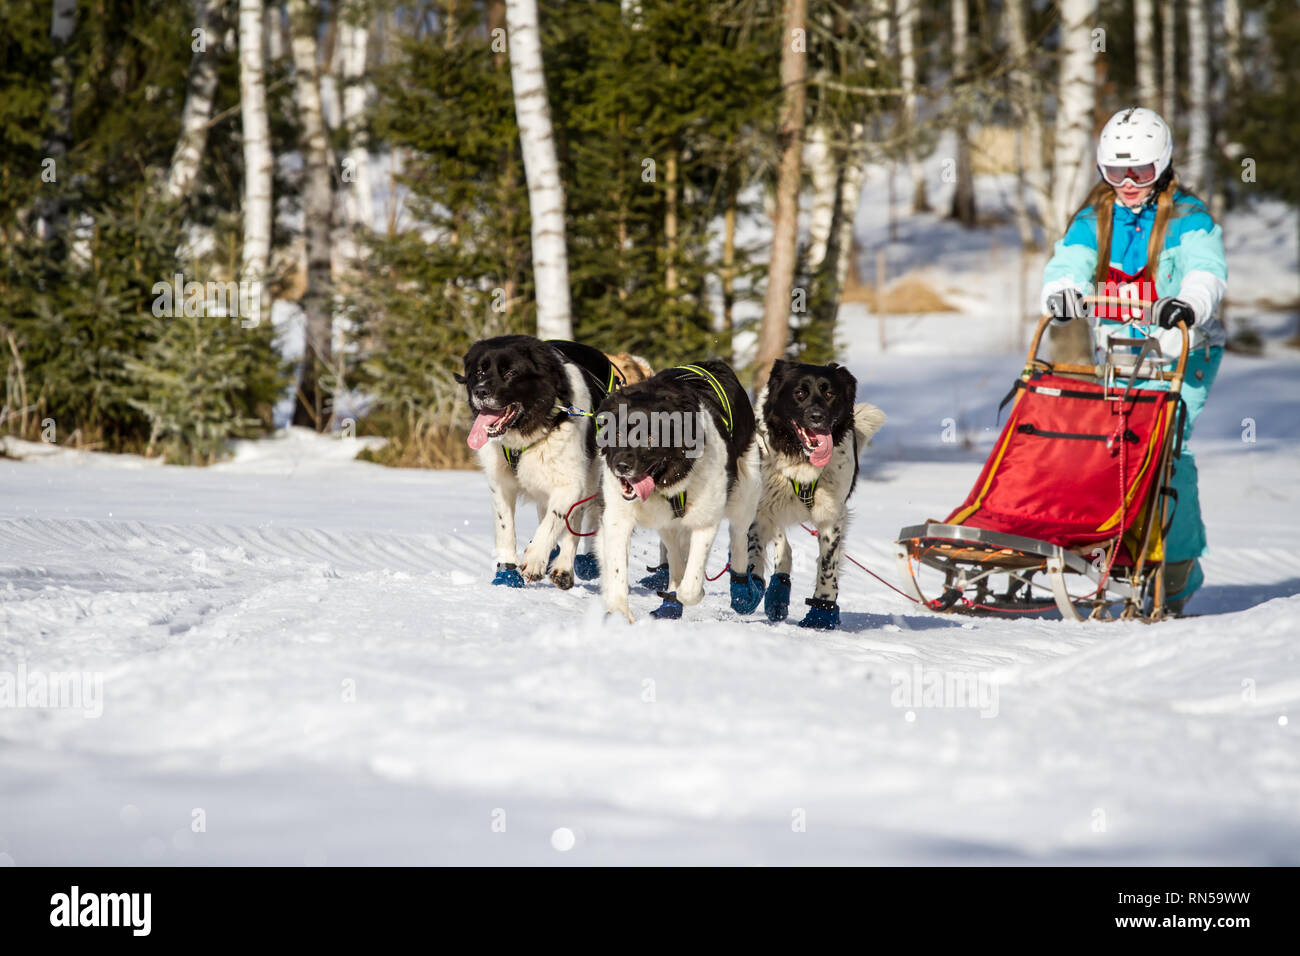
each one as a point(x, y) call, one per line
point(1072, 507)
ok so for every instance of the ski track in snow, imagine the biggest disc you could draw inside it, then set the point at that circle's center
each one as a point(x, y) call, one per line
point(231, 610)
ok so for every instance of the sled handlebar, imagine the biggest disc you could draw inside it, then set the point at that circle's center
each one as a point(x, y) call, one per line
point(1097, 371)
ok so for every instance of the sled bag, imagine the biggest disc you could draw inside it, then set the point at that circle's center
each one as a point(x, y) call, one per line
point(1068, 453)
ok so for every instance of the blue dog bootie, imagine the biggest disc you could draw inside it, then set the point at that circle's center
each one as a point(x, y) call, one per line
point(746, 592)
point(508, 576)
point(670, 610)
point(776, 603)
point(586, 567)
point(657, 579)
point(822, 615)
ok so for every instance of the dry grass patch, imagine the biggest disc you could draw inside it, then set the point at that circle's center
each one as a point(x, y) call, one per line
point(909, 294)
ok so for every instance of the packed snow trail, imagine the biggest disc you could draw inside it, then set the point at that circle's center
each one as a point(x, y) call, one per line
point(306, 649)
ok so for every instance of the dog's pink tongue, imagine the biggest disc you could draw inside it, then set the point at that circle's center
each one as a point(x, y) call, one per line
point(821, 452)
point(644, 487)
point(478, 436)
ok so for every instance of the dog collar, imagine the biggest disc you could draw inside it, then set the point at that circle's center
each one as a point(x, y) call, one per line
point(512, 455)
point(804, 491)
point(678, 502)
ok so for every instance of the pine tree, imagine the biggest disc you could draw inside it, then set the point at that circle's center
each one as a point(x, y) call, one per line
point(82, 342)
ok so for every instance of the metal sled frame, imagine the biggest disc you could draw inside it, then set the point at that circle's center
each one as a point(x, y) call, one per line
point(969, 558)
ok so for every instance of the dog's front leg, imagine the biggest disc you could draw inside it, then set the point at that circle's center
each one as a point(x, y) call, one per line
point(783, 557)
point(550, 523)
point(830, 541)
point(503, 525)
point(612, 545)
point(756, 546)
point(691, 590)
point(562, 567)
point(673, 543)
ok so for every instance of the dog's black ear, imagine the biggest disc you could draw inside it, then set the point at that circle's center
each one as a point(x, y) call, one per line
point(780, 370)
point(460, 378)
point(847, 383)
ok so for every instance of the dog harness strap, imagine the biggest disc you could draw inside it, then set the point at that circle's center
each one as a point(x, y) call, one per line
point(805, 491)
point(717, 388)
point(678, 501)
point(512, 456)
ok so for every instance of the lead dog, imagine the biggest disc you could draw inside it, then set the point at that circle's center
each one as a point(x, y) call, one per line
point(532, 404)
point(810, 430)
point(679, 455)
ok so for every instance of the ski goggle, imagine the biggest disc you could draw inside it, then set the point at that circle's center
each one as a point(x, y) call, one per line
point(1143, 174)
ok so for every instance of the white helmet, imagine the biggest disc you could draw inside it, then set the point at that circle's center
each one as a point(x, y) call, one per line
point(1136, 145)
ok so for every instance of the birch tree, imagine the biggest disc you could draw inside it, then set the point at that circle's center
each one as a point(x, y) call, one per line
point(257, 149)
point(1197, 168)
point(820, 160)
point(318, 203)
point(1232, 45)
point(908, 14)
point(855, 173)
point(1168, 60)
point(353, 36)
point(541, 171)
point(963, 199)
point(50, 213)
point(1076, 93)
point(774, 334)
point(1026, 102)
point(1144, 52)
point(196, 117)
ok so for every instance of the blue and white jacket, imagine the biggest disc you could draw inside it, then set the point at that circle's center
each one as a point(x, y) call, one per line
point(1192, 265)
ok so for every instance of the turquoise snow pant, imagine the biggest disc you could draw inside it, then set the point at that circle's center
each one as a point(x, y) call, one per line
point(1186, 539)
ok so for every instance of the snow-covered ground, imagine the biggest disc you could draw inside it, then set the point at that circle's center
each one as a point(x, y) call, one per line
point(295, 657)
point(305, 649)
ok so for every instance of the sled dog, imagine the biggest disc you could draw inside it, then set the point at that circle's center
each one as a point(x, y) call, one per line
point(532, 405)
point(811, 431)
point(679, 454)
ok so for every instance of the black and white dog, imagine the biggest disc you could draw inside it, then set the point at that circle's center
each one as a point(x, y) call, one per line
point(532, 403)
point(680, 454)
point(810, 430)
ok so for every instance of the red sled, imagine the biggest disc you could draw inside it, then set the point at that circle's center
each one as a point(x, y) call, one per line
point(1072, 507)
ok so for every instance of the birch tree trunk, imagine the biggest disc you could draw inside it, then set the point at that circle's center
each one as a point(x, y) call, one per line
point(820, 159)
point(1197, 168)
point(1144, 40)
point(202, 85)
point(774, 334)
point(1168, 60)
point(313, 408)
point(850, 197)
point(358, 201)
point(1026, 106)
point(1073, 160)
point(49, 208)
point(908, 13)
point(728, 274)
point(1232, 45)
point(541, 171)
point(257, 150)
point(670, 223)
point(963, 199)
point(882, 12)
point(274, 35)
